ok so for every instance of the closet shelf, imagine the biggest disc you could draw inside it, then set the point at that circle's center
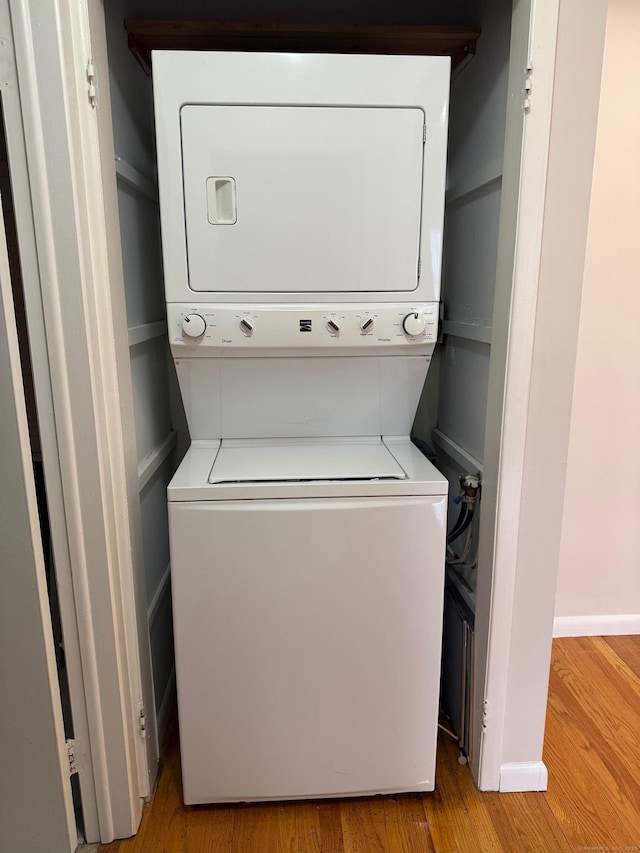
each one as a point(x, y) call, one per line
point(146, 35)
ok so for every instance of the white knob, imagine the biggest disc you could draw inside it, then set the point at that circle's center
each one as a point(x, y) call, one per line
point(246, 325)
point(333, 327)
point(193, 325)
point(366, 324)
point(414, 324)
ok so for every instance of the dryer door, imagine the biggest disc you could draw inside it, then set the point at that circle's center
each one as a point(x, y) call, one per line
point(302, 199)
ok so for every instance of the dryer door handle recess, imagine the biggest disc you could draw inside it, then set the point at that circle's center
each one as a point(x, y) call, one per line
point(221, 201)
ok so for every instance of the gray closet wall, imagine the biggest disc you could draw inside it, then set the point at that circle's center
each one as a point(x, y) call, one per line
point(452, 413)
point(151, 371)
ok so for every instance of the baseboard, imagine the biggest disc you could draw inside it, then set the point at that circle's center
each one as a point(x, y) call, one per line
point(596, 626)
point(523, 776)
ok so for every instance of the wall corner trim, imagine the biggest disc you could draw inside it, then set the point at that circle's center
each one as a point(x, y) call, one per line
point(598, 625)
point(523, 776)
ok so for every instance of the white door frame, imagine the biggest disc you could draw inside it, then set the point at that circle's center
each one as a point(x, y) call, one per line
point(548, 159)
point(533, 43)
point(82, 343)
point(99, 129)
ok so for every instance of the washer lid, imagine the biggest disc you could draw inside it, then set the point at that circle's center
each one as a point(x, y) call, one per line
point(286, 460)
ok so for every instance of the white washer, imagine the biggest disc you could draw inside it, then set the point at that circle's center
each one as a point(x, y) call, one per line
point(308, 616)
point(302, 205)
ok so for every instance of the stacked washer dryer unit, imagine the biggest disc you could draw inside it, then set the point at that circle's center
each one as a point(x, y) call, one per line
point(301, 207)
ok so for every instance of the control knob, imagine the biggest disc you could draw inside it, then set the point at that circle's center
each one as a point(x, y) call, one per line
point(246, 325)
point(333, 326)
point(193, 325)
point(366, 324)
point(414, 324)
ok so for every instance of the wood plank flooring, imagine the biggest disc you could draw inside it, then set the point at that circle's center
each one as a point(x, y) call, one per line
point(592, 752)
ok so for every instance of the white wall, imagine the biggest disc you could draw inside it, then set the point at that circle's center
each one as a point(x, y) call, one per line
point(599, 571)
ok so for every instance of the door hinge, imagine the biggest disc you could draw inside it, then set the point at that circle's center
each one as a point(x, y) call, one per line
point(91, 84)
point(424, 132)
point(419, 266)
point(71, 753)
point(526, 104)
point(485, 712)
point(142, 722)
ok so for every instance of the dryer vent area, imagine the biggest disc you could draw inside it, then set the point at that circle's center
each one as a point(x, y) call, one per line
point(449, 426)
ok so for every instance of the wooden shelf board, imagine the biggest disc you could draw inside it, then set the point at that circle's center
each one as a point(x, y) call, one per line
point(146, 35)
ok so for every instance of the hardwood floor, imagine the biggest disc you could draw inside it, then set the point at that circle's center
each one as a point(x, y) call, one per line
point(592, 752)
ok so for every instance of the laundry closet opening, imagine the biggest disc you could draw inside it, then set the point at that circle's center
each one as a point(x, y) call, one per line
point(450, 422)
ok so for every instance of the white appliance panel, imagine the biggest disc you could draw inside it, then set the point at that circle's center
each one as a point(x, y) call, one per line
point(297, 397)
point(307, 645)
point(241, 461)
point(316, 199)
point(384, 93)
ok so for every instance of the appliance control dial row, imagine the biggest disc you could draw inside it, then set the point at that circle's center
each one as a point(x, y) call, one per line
point(194, 325)
point(280, 327)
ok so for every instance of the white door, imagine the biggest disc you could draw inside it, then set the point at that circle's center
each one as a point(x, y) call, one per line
point(36, 809)
point(328, 200)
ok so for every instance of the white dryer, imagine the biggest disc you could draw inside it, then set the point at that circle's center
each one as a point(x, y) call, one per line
point(301, 204)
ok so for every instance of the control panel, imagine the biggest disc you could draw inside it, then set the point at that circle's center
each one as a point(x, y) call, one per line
point(302, 326)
